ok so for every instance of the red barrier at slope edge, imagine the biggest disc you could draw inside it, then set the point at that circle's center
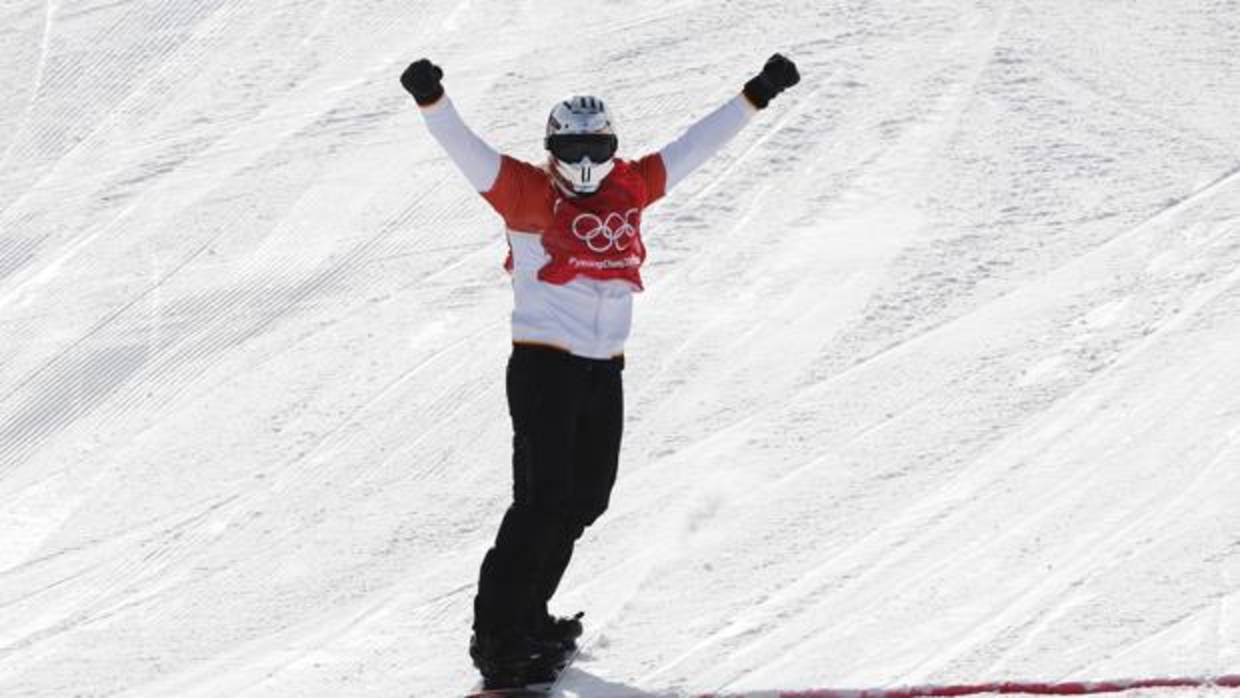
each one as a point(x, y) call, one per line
point(1072, 688)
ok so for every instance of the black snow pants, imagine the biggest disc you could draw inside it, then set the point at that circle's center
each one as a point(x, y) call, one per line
point(567, 419)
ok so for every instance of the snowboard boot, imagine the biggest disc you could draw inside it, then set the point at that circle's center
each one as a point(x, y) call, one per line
point(556, 651)
point(503, 659)
point(512, 660)
point(558, 631)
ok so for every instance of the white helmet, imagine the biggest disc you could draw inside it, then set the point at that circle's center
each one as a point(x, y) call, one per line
point(582, 143)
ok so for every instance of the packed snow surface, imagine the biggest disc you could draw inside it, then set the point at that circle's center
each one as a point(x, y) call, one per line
point(937, 379)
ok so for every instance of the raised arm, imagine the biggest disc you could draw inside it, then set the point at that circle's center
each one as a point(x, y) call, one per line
point(706, 137)
point(474, 156)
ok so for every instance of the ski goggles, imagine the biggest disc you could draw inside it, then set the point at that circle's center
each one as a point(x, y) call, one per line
point(574, 147)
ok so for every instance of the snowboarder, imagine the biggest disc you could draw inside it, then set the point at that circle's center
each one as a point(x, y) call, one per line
point(575, 255)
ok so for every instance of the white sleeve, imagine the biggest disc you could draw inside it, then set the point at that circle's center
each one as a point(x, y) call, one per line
point(705, 138)
point(475, 158)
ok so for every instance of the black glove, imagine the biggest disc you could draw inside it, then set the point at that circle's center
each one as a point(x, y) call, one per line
point(777, 75)
point(422, 80)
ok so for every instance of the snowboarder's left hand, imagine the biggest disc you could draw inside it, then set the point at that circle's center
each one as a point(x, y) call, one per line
point(422, 79)
point(777, 75)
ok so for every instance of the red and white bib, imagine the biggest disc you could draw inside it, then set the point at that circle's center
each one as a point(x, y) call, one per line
point(598, 236)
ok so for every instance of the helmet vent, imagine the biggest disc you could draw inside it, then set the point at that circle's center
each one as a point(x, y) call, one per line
point(580, 114)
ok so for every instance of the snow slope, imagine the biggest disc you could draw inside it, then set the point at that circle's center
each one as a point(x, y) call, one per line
point(935, 380)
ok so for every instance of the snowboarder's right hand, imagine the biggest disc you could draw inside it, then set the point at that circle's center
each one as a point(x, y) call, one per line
point(422, 79)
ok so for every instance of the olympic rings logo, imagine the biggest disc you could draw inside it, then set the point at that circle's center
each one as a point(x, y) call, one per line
point(603, 234)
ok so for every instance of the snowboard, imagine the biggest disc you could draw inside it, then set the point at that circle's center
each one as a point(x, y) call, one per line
point(537, 690)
